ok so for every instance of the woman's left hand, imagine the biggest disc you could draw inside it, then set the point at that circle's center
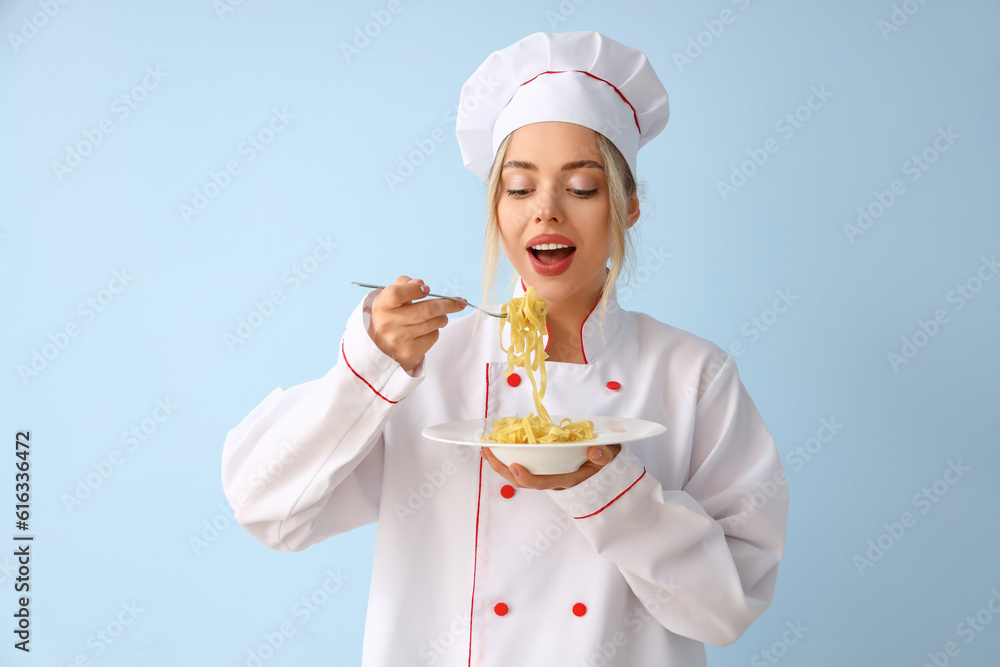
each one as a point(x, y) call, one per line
point(597, 458)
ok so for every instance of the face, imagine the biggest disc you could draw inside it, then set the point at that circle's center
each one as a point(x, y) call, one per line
point(553, 211)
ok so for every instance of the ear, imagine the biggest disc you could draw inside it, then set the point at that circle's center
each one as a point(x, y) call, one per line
point(633, 210)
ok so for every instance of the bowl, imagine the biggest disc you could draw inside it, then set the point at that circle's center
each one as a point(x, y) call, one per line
point(542, 459)
point(552, 458)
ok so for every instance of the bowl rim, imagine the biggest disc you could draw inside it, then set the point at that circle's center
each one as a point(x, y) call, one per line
point(468, 431)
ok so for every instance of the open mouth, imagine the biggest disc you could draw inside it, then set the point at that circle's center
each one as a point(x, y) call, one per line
point(551, 253)
point(551, 256)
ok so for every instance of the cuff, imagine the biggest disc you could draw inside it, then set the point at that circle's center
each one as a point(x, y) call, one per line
point(602, 489)
point(370, 365)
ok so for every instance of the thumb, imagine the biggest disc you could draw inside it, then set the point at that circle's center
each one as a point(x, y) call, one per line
point(603, 454)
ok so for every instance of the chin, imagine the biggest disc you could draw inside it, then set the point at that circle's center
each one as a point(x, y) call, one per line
point(553, 288)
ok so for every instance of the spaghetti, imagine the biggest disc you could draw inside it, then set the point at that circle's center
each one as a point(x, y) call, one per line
point(526, 317)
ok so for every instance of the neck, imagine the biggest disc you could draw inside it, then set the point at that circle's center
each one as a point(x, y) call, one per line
point(565, 321)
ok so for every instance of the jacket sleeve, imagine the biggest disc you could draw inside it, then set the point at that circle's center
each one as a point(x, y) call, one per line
point(307, 462)
point(702, 560)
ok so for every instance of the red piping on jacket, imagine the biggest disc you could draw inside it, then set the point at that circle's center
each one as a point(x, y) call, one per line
point(479, 500)
point(615, 498)
point(583, 350)
point(344, 354)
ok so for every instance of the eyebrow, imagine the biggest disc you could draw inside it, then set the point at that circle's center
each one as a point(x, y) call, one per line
point(569, 166)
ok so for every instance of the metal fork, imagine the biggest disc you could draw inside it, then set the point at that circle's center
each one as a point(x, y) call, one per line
point(440, 296)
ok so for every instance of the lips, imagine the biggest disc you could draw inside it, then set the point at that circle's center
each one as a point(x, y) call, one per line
point(550, 254)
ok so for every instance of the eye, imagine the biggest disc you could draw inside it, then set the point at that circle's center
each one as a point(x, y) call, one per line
point(518, 194)
point(584, 193)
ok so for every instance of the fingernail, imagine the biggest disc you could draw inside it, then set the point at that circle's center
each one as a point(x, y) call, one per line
point(425, 289)
point(413, 280)
point(598, 454)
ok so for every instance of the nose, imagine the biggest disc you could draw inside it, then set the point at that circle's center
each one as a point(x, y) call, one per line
point(549, 207)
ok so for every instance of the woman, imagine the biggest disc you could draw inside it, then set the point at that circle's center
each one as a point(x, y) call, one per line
point(639, 557)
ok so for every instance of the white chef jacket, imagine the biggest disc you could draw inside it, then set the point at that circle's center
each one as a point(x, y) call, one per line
point(676, 542)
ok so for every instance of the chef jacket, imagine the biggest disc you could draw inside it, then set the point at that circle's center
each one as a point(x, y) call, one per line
point(674, 544)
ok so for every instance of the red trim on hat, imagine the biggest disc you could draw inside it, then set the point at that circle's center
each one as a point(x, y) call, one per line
point(635, 116)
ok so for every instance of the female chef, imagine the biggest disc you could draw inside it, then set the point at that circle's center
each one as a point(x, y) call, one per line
point(641, 556)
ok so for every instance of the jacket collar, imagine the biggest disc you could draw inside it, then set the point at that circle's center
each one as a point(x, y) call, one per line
point(594, 338)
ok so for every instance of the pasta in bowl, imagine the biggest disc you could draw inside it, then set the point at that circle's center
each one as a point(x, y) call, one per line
point(545, 458)
point(544, 445)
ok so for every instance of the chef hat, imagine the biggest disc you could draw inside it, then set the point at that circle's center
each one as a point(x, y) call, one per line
point(575, 77)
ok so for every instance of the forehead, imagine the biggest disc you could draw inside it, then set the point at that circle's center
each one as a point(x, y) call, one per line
point(553, 143)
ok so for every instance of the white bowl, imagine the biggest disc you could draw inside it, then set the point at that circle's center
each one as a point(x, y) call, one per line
point(539, 459)
point(551, 458)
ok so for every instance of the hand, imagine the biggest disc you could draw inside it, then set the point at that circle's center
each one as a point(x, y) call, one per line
point(405, 330)
point(597, 458)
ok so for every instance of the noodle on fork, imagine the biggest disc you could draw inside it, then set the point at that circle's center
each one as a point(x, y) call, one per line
point(526, 317)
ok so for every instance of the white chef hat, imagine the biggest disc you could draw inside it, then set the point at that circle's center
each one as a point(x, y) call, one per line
point(575, 77)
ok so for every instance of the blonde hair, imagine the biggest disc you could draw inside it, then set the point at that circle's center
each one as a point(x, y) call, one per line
point(622, 186)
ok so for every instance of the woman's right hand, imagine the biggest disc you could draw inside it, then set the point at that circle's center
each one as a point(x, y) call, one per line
point(405, 328)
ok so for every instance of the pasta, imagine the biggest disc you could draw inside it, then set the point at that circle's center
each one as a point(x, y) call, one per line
point(526, 317)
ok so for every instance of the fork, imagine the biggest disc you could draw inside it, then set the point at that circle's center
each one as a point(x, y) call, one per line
point(440, 296)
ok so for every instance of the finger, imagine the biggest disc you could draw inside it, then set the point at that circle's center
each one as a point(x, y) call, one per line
point(602, 455)
point(403, 292)
point(450, 305)
point(540, 482)
point(417, 347)
point(429, 308)
point(497, 466)
point(422, 328)
point(417, 319)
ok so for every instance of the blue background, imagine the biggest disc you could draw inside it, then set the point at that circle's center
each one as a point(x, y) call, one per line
point(355, 117)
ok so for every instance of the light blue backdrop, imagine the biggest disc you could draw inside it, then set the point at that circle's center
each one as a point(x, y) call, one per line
point(125, 356)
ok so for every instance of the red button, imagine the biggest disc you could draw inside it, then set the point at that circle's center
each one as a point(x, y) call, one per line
point(579, 609)
point(500, 609)
point(507, 491)
point(513, 379)
point(614, 386)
